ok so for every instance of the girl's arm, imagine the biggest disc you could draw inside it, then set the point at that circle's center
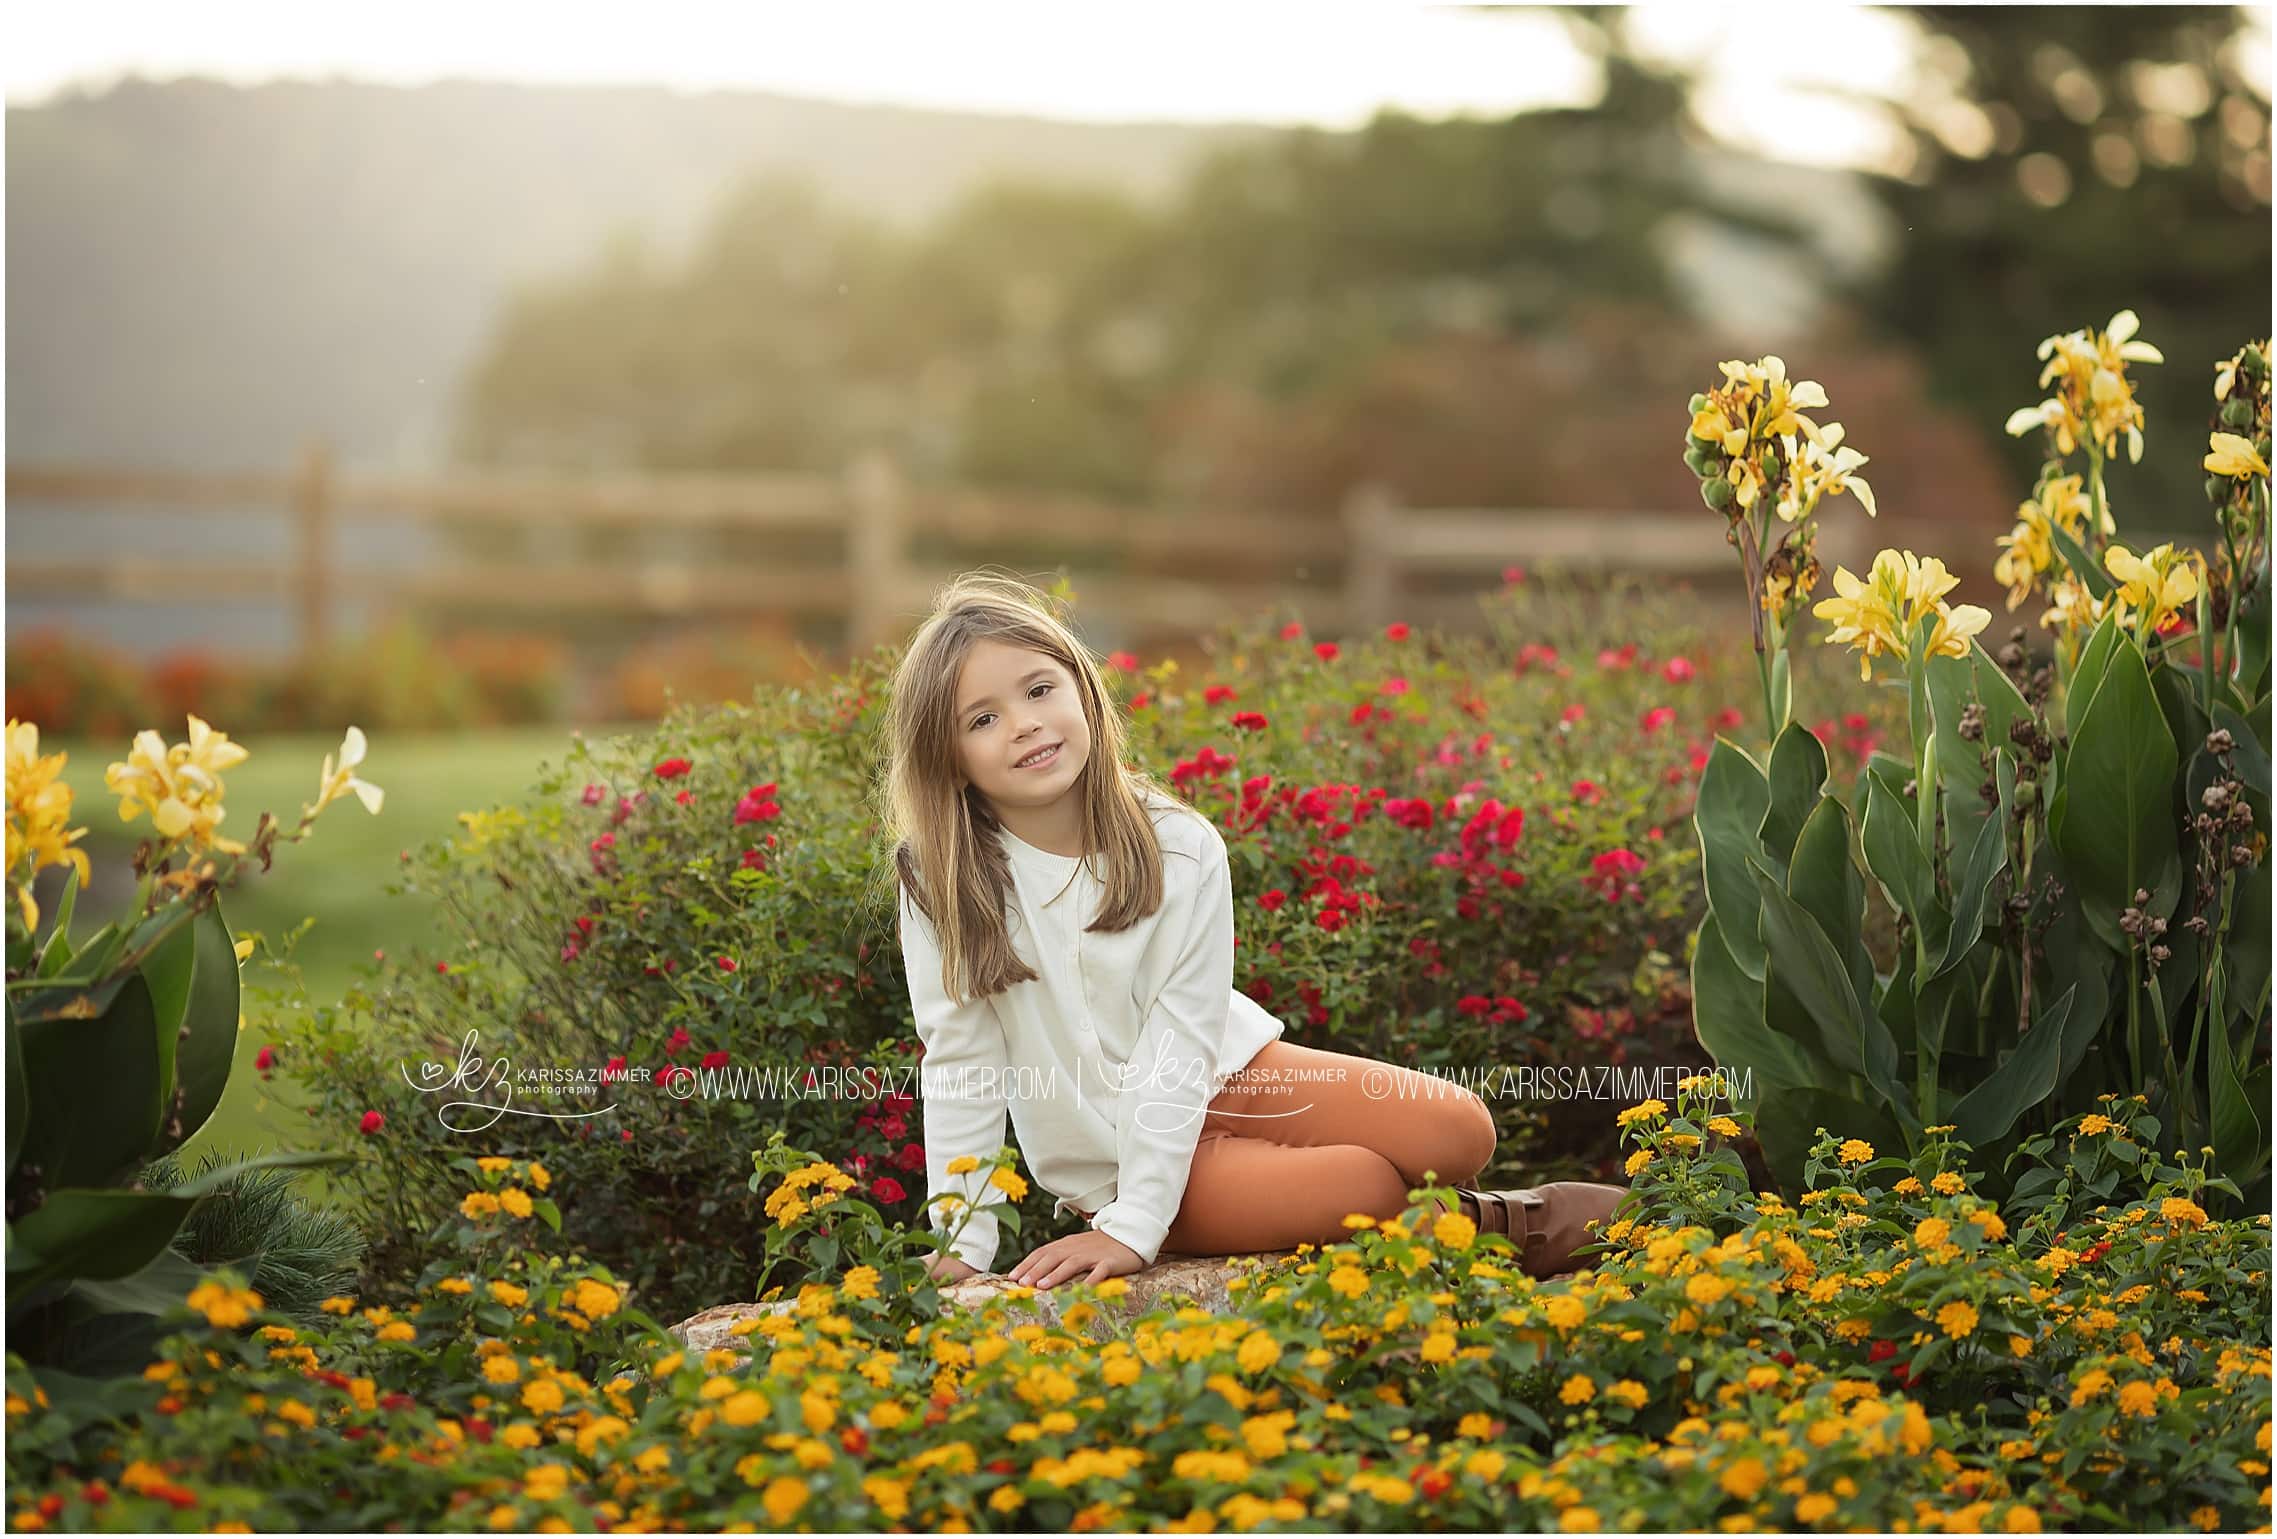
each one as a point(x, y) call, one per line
point(964, 1052)
point(1159, 1120)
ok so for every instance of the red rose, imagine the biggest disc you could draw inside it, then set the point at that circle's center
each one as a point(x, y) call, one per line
point(753, 860)
point(1330, 919)
point(1396, 631)
point(887, 1189)
point(1326, 651)
point(1219, 694)
point(372, 1122)
point(678, 1040)
point(911, 1157)
point(714, 1060)
point(1292, 631)
point(727, 964)
point(266, 1059)
point(672, 769)
point(1658, 717)
point(1249, 721)
point(1122, 661)
point(1881, 1351)
point(1678, 670)
point(1271, 901)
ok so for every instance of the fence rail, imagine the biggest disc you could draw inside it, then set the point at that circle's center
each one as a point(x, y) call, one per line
point(898, 543)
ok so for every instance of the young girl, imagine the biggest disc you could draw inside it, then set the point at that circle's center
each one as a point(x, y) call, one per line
point(1067, 929)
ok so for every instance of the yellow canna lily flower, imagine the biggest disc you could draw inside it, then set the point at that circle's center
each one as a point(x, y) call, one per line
point(1784, 401)
point(2231, 455)
point(334, 783)
point(2155, 586)
point(2026, 552)
point(1820, 465)
point(2226, 372)
point(39, 808)
point(2093, 398)
point(180, 787)
point(1955, 626)
point(2072, 608)
point(1880, 613)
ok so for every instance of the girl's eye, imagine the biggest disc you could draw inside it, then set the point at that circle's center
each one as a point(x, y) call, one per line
point(985, 717)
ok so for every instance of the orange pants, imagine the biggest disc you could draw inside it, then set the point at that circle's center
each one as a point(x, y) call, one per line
point(1301, 1137)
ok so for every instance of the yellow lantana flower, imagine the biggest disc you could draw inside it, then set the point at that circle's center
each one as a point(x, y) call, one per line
point(224, 1308)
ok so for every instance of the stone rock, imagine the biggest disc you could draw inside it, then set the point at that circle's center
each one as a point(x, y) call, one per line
point(1181, 1281)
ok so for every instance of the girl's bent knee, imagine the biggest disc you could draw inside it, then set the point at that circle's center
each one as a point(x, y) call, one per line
point(1473, 1138)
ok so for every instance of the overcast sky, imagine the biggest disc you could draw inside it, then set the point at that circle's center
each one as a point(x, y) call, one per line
point(1329, 64)
point(1790, 78)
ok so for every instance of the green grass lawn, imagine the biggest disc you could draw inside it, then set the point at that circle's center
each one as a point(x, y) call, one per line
point(338, 875)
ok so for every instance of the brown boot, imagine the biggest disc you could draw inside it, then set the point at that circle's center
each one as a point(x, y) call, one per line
point(1547, 1223)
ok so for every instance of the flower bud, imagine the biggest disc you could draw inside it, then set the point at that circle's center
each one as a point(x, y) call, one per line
point(1702, 458)
point(1717, 493)
point(2027, 794)
point(1697, 405)
point(2237, 413)
point(2261, 447)
point(2217, 489)
point(2219, 741)
point(2256, 363)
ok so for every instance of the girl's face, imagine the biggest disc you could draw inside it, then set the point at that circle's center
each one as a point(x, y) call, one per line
point(1021, 736)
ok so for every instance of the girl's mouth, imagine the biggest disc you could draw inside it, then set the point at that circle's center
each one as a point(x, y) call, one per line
point(1039, 758)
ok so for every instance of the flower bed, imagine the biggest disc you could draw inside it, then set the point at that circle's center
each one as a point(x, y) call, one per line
point(1887, 1352)
point(1459, 853)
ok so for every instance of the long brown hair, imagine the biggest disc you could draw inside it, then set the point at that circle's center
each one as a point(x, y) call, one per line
point(942, 830)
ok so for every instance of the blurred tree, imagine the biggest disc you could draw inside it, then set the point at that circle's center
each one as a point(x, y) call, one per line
point(2070, 162)
point(1480, 310)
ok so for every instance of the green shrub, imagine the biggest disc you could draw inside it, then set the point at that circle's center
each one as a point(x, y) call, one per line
point(296, 1253)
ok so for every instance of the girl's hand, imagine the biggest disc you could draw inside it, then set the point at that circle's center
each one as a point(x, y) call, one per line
point(943, 1267)
point(1093, 1256)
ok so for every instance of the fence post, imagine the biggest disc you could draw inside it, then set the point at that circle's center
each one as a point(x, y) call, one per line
point(1371, 580)
point(312, 544)
point(873, 550)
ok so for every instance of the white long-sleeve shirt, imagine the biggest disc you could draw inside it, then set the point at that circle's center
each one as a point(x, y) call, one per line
point(1106, 1061)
